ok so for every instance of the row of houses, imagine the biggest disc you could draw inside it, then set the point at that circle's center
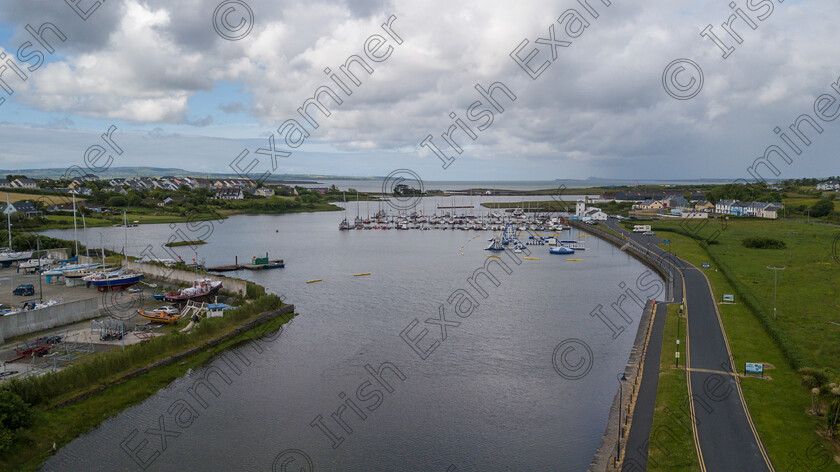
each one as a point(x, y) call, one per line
point(668, 202)
point(756, 209)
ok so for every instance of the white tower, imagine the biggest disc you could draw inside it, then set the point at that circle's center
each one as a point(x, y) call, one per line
point(580, 208)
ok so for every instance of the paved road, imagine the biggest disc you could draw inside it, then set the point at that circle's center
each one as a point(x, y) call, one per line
point(637, 439)
point(723, 430)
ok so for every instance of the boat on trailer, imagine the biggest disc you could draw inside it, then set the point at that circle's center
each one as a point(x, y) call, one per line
point(201, 289)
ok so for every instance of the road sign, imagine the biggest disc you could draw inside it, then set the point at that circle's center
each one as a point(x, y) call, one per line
point(754, 368)
point(706, 265)
point(677, 355)
point(728, 298)
point(667, 241)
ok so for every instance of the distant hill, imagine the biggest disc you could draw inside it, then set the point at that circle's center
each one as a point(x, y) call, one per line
point(125, 172)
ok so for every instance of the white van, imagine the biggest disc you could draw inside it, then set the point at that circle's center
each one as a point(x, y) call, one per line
point(641, 228)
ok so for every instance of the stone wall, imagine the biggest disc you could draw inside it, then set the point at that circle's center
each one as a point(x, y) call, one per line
point(167, 274)
point(30, 321)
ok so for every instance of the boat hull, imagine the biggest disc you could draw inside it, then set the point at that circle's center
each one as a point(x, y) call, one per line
point(176, 297)
point(116, 284)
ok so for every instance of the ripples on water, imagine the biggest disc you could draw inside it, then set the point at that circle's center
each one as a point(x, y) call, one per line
point(488, 398)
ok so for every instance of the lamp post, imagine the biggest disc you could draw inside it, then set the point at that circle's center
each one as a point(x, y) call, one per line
point(621, 378)
point(775, 283)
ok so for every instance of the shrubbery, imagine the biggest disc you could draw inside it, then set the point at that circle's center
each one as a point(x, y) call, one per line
point(14, 415)
point(760, 242)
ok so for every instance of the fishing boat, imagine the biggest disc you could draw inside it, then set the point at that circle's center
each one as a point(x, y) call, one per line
point(560, 250)
point(164, 314)
point(201, 289)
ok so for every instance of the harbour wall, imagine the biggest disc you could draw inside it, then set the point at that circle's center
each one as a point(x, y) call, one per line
point(177, 276)
point(605, 459)
point(30, 321)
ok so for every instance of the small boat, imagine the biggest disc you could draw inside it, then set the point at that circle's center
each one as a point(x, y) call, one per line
point(202, 289)
point(158, 296)
point(495, 245)
point(164, 314)
point(560, 250)
point(36, 263)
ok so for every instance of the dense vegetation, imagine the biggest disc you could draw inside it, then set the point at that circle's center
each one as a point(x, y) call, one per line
point(760, 242)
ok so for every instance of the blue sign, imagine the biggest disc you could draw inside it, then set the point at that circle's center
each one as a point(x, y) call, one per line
point(754, 368)
point(706, 265)
point(667, 241)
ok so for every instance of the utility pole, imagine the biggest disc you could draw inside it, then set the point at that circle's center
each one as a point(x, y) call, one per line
point(775, 283)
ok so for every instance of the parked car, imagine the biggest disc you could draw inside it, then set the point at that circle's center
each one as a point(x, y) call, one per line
point(648, 233)
point(24, 290)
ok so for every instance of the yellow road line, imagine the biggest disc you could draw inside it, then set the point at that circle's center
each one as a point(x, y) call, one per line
point(709, 371)
point(738, 380)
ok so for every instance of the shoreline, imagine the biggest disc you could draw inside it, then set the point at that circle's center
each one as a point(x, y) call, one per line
point(605, 455)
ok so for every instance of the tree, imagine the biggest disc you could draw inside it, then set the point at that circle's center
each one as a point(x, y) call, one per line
point(813, 380)
point(833, 410)
point(117, 201)
point(823, 207)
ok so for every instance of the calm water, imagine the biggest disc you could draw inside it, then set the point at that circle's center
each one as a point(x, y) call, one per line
point(375, 185)
point(487, 398)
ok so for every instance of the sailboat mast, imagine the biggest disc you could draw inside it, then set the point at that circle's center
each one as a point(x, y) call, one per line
point(75, 237)
point(9, 219)
point(125, 247)
point(87, 246)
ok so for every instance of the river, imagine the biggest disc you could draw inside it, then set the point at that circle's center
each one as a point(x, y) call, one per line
point(489, 396)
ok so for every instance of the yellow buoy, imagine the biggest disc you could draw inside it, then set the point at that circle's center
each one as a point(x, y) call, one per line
point(313, 281)
point(363, 273)
point(574, 260)
point(495, 257)
point(531, 258)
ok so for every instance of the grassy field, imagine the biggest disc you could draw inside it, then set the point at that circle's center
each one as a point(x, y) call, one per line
point(47, 199)
point(672, 443)
point(779, 406)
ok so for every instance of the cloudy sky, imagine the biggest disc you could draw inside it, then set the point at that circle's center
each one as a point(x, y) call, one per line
point(193, 83)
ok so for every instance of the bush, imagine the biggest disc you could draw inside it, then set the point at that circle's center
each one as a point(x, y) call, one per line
point(760, 242)
point(14, 412)
point(823, 207)
point(14, 415)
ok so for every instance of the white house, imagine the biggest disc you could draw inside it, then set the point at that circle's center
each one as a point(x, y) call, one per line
point(829, 186)
point(595, 214)
point(24, 183)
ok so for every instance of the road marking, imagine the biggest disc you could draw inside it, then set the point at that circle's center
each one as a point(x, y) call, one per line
point(738, 380)
point(710, 371)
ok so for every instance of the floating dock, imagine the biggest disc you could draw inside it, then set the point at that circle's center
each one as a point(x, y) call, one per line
point(257, 263)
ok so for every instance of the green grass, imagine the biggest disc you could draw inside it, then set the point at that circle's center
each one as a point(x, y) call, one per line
point(778, 406)
point(807, 301)
point(672, 441)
